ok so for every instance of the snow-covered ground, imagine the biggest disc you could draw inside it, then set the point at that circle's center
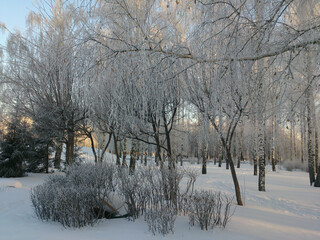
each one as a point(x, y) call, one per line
point(289, 209)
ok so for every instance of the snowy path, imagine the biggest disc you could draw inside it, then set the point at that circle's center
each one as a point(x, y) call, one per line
point(290, 209)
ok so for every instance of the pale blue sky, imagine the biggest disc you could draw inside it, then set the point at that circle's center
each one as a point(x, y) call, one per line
point(13, 14)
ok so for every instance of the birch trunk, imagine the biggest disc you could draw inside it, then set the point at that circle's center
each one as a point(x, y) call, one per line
point(260, 98)
point(291, 141)
point(302, 133)
point(261, 127)
point(310, 121)
point(309, 144)
point(240, 142)
point(204, 158)
point(315, 133)
point(294, 141)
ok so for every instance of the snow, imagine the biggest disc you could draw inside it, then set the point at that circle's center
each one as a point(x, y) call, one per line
point(289, 209)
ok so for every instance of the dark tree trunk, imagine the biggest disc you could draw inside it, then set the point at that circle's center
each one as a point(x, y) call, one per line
point(317, 182)
point(181, 153)
point(235, 179)
point(158, 159)
point(204, 166)
point(70, 148)
point(227, 163)
point(57, 156)
point(105, 148)
point(227, 151)
point(302, 133)
point(255, 146)
point(133, 157)
point(124, 155)
point(67, 153)
point(220, 160)
point(158, 146)
point(47, 158)
point(220, 149)
point(116, 150)
point(138, 152)
point(145, 158)
point(89, 134)
point(171, 160)
point(316, 149)
point(204, 160)
point(273, 152)
point(309, 143)
point(255, 166)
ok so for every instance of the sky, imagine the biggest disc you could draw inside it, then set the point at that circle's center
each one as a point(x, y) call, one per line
point(13, 14)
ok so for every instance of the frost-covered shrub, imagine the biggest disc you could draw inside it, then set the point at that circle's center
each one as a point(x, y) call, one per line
point(131, 188)
point(164, 193)
point(161, 218)
point(72, 207)
point(294, 165)
point(77, 199)
point(191, 175)
point(99, 177)
point(208, 208)
point(89, 192)
point(154, 193)
point(43, 197)
point(147, 186)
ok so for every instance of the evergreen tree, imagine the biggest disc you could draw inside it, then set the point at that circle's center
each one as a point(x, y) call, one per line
point(22, 151)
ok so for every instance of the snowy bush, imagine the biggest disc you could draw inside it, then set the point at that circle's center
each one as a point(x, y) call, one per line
point(147, 186)
point(131, 188)
point(77, 199)
point(164, 193)
point(290, 165)
point(161, 218)
point(208, 208)
point(87, 193)
point(154, 193)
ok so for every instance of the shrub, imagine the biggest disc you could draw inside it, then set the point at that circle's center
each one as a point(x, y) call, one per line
point(87, 193)
point(79, 198)
point(161, 218)
point(147, 186)
point(209, 209)
point(294, 165)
